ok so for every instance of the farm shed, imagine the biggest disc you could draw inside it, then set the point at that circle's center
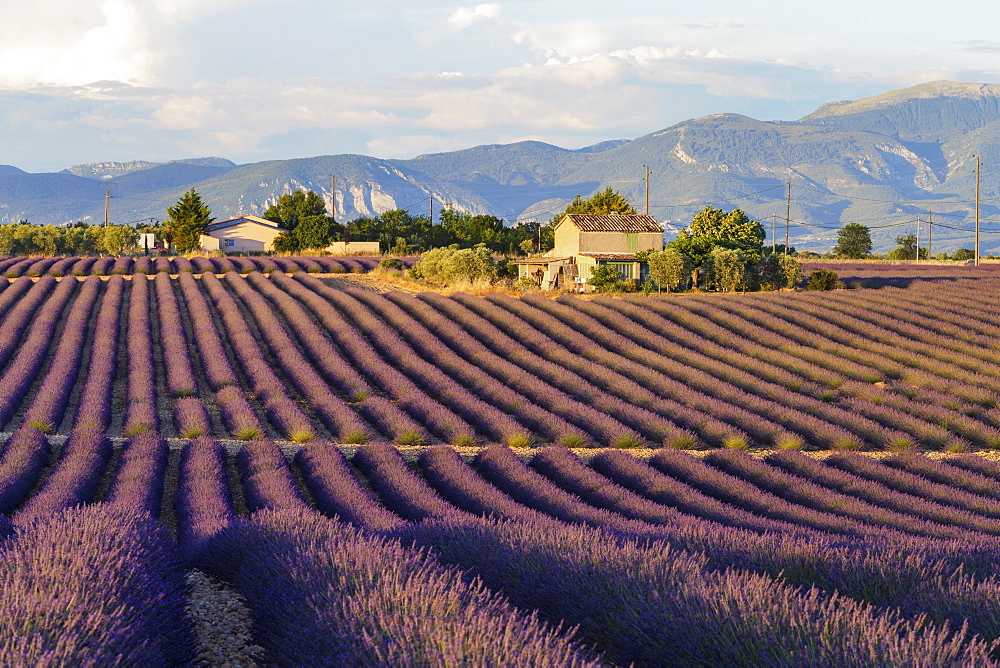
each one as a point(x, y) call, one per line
point(586, 241)
point(243, 234)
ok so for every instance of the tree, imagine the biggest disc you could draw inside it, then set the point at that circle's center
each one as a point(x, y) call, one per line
point(823, 279)
point(188, 219)
point(728, 269)
point(602, 202)
point(605, 278)
point(292, 208)
point(117, 240)
point(854, 241)
point(451, 264)
point(314, 232)
point(963, 254)
point(668, 268)
point(733, 227)
point(907, 249)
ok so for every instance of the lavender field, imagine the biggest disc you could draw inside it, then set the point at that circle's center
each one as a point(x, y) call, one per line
point(250, 428)
point(16, 267)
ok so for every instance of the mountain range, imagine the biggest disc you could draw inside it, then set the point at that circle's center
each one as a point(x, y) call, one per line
point(885, 161)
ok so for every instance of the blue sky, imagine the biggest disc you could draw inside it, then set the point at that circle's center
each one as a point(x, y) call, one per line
point(93, 80)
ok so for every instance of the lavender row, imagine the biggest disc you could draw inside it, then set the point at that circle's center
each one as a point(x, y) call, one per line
point(173, 341)
point(535, 403)
point(466, 345)
point(337, 416)
point(237, 413)
point(444, 376)
point(45, 412)
point(922, 495)
point(27, 363)
point(140, 412)
point(338, 493)
point(17, 267)
point(347, 379)
point(74, 479)
point(823, 499)
point(282, 412)
point(93, 586)
point(428, 404)
point(94, 409)
point(923, 576)
point(579, 376)
point(25, 455)
point(355, 599)
point(612, 588)
point(267, 478)
point(139, 481)
point(204, 501)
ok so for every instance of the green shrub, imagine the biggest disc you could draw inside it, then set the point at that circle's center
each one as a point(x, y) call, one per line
point(520, 440)
point(627, 442)
point(391, 263)
point(822, 279)
point(248, 434)
point(356, 437)
point(682, 442)
point(464, 441)
point(410, 438)
point(574, 441)
point(302, 435)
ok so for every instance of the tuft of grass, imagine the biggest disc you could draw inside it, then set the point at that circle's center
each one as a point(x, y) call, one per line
point(574, 441)
point(790, 443)
point(735, 443)
point(137, 429)
point(184, 392)
point(359, 396)
point(356, 437)
point(519, 440)
point(682, 442)
point(192, 432)
point(248, 434)
point(42, 426)
point(901, 444)
point(627, 442)
point(410, 438)
point(302, 436)
point(851, 444)
point(464, 441)
point(957, 447)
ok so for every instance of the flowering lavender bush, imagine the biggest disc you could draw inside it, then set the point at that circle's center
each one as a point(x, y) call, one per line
point(93, 586)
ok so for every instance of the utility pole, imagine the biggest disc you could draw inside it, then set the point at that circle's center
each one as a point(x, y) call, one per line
point(788, 212)
point(930, 233)
point(916, 260)
point(107, 207)
point(647, 189)
point(978, 165)
point(774, 233)
point(432, 210)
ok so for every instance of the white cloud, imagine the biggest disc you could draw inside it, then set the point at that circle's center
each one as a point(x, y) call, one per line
point(466, 17)
point(77, 42)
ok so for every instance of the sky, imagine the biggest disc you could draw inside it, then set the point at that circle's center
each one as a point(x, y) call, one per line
point(250, 80)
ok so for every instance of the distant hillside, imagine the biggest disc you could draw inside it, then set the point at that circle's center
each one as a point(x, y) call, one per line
point(884, 161)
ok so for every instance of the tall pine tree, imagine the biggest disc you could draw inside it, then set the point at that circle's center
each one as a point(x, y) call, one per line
point(188, 219)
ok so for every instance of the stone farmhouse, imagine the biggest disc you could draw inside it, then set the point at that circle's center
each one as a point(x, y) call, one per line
point(249, 234)
point(586, 241)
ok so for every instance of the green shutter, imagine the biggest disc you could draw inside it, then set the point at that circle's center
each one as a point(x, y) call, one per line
point(632, 240)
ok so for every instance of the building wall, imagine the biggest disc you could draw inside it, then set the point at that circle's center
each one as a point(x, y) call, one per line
point(245, 238)
point(618, 242)
point(567, 240)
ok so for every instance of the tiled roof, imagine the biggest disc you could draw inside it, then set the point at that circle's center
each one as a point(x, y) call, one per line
point(255, 220)
point(614, 257)
point(613, 222)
